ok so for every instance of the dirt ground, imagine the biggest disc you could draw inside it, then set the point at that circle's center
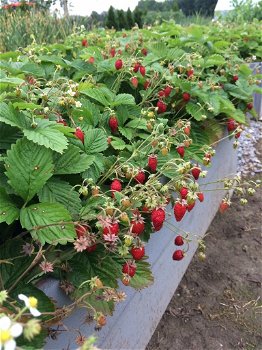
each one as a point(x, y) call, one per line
point(218, 303)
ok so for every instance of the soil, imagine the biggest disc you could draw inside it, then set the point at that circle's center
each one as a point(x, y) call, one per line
point(218, 303)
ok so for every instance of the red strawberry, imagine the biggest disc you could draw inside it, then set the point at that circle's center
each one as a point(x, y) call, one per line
point(231, 124)
point(134, 82)
point(161, 93)
point(167, 91)
point(237, 135)
point(190, 206)
point(186, 96)
point(179, 211)
point(183, 192)
point(81, 230)
point(196, 172)
point(187, 130)
point(116, 186)
point(140, 177)
point(112, 52)
point(137, 252)
point(178, 255)
point(119, 64)
point(80, 134)
point(91, 60)
point(129, 268)
point(179, 240)
point(136, 67)
point(223, 206)
point(146, 84)
point(200, 196)
point(190, 72)
point(113, 123)
point(84, 43)
point(144, 51)
point(138, 225)
point(91, 249)
point(235, 78)
point(181, 151)
point(250, 105)
point(113, 229)
point(158, 217)
point(152, 162)
point(142, 70)
point(161, 107)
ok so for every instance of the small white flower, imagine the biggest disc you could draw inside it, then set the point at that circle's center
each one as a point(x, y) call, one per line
point(78, 104)
point(71, 92)
point(9, 331)
point(46, 109)
point(31, 304)
point(254, 57)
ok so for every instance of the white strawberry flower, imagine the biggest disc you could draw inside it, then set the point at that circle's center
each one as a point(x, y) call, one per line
point(78, 104)
point(31, 304)
point(8, 331)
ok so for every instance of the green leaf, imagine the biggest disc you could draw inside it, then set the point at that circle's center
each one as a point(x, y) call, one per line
point(239, 116)
point(127, 133)
point(123, 99)
point(57, 191)
point(48, 223)
point(28, 167)
point(11, 117)
point(226, 106)
point(195, 111)
point(34, 69)
point(215, 60)
point(8, 209)
point(26, 105)
point(46, 134)
point(91, 209)
point(96, 168)
point(137, 124)
point(8, 135)
point(72, 161)
point(98, 95)
point(143, 276)
point(95, 141)
point(118, 143)
point(11, 81)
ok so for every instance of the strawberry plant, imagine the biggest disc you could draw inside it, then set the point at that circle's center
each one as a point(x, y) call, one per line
point(96, 140)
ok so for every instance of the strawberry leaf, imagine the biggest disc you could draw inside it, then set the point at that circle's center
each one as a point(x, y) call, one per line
point(9, 211)
point(28, 167)
point(48, 223)
point(95, 141)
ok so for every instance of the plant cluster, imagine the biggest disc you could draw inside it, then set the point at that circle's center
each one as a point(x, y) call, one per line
point(100, 138)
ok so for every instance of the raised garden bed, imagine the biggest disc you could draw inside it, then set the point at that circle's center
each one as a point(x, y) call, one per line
point(123, 329)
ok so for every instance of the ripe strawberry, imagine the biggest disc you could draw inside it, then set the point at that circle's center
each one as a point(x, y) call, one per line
point(196, 172)
point(140, 177)
point(190, 206)
point(136, 67)
point(113, 229)
point(134, 82)
point(81, 230)
point(142, 70)
point(179, 240)
point(231, 124)
point(167, 91)
point(237, 135)
point(223, 206)
point(91, 60)
point(112, 52)
point(146, 84)
point(187, 130)
point(129, 268)
point(80, 134)
point(161, 107)
point(144, 51)
point(119, 64)
point(137, 252)
point(235, 78)
point(186, 96)
point(183, 192)
point(190, 72)
point(179, 211)
point(250, 105)
point(84, 43)
point(137, 227)
point(161, 93)
point(200, 196)
point(181, 151)
point(113, 123)
point(158, 217)
point(152, 162)
point(116, 186)
point(178, 254)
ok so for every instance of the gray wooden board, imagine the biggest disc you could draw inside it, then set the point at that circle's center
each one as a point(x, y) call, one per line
point(135, 319)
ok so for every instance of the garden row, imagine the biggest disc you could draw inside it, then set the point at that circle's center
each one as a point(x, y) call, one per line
point(97, 136)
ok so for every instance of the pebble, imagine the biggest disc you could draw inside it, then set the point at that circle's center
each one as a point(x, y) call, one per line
point(248, 151)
